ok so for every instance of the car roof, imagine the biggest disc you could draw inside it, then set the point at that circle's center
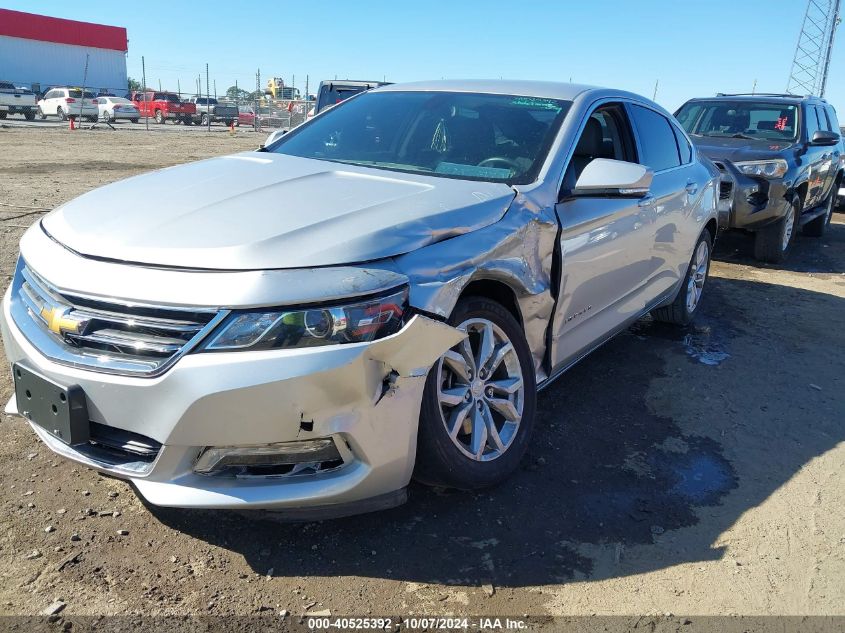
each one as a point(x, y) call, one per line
point(543, 89)
point(763, 98)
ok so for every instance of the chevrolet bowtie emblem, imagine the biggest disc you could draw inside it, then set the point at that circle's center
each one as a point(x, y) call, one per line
point(58, 321)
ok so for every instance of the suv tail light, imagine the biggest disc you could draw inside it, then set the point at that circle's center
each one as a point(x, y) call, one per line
point(70, 100)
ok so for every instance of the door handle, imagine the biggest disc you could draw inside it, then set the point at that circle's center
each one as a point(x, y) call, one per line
point(692, 188)
point(647, 201)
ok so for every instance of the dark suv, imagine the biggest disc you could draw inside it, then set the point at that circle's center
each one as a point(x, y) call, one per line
point(780, 158)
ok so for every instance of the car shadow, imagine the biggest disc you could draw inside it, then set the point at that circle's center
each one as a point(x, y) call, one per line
point(808, 255)
point(604, 473)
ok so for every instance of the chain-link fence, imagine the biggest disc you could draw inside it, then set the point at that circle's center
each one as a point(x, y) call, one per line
point(273, 106)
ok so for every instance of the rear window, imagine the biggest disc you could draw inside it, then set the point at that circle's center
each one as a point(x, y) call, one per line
point(741, 119)
point(659, 149)
point(4, 85)
point(333, 94)
point(77, 94)
point(165, 96)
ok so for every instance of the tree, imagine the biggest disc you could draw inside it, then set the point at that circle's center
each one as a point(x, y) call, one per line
point(133, 84)
point(237, 94)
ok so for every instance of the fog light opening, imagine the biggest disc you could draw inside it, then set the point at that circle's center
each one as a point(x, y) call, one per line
point(270, 460)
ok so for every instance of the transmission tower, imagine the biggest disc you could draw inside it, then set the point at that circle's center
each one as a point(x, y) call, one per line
point(812, 53)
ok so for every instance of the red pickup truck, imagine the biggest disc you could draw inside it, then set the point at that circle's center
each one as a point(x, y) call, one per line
point(163, 106)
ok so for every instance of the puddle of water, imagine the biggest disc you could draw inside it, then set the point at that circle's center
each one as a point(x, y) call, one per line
point(701, 342)
point(700, 476)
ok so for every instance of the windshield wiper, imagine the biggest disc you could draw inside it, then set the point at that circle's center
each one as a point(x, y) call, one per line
point(741, 135)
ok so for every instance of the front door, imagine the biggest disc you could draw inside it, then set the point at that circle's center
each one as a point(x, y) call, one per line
point(603, 244)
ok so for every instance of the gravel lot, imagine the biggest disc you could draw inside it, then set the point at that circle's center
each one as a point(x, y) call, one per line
point(698, 472)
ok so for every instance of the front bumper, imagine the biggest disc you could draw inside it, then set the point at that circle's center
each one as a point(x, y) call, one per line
point(365, 396)
point(750, 203)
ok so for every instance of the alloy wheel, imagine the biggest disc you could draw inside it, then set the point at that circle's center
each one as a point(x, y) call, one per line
point(481, 391)
point(788, 226)
point(698, 275)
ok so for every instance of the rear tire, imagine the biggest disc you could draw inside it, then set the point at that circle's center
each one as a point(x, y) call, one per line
point(491, 425)
point(134, 120)
point(817, 227)
point(159, 117)
point(61, 114)
point(773, 243)
point(682, 310)
point(204, 120)
point(41, 114)
point(29, 116)
point(3, 115)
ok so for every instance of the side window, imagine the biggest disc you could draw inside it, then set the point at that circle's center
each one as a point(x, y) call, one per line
point(607, 134)
point(824, 121)
point(683, 145)
point(658, 147)
point(812, 121)
point(831, 114)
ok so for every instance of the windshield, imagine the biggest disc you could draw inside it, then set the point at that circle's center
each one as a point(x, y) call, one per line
point(741, 119)
point(495, 138)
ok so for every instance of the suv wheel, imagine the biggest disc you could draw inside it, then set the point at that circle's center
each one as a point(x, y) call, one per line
point(478, 407)
point(817, 227)
point(682, 310)
point(61, 114)
point(773, 243)
point(204, 120)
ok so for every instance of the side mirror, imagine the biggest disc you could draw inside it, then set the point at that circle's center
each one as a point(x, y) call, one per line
point(824, 138)
point(614, 178)
point(274, 136)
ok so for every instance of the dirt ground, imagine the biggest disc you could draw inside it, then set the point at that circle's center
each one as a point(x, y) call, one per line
point(698, 472)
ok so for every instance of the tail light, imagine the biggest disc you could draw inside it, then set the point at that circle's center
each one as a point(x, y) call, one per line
point(70, 100)
point(117, 107)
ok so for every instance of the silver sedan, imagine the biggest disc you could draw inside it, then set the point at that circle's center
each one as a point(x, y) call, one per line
point(374, 296)
point(113, 108)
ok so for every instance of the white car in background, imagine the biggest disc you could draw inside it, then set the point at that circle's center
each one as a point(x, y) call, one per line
point(68, 103)
point(113, 108)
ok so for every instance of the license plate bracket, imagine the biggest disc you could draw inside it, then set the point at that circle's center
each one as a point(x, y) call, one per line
point(60, 410)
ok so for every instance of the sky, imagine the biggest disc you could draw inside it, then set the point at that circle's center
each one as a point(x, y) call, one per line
point(690, 47)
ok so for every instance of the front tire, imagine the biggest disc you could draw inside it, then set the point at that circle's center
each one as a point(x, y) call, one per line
point(773, 243)
point(480, 398)
point(29, 116)
point(682, 310)
point(159, 117)
point(204, 120)
point(41, 114)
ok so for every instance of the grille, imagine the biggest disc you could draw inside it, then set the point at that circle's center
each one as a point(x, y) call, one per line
point(105, 335)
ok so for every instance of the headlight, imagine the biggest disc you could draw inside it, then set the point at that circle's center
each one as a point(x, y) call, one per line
point(763, 168)
point(354, 321)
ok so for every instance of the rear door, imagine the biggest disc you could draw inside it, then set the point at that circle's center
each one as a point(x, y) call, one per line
point(675, 191)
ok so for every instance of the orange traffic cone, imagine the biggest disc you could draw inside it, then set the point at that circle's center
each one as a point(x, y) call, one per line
point(232, 128)
point(72, 123)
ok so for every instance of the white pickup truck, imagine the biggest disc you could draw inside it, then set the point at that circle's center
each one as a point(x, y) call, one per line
point(16, 101)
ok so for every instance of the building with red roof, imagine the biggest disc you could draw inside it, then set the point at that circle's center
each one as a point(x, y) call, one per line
point(41, 51)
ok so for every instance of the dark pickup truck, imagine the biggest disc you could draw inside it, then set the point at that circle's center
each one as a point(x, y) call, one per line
point(781, 158)
point(208, 108)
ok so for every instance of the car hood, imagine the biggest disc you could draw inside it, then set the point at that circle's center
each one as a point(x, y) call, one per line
point(259, 210)
point(739, 149)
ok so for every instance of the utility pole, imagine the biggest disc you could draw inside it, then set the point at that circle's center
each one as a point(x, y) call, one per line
point(654, 96)
point(144, 88)
point(207, 97)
